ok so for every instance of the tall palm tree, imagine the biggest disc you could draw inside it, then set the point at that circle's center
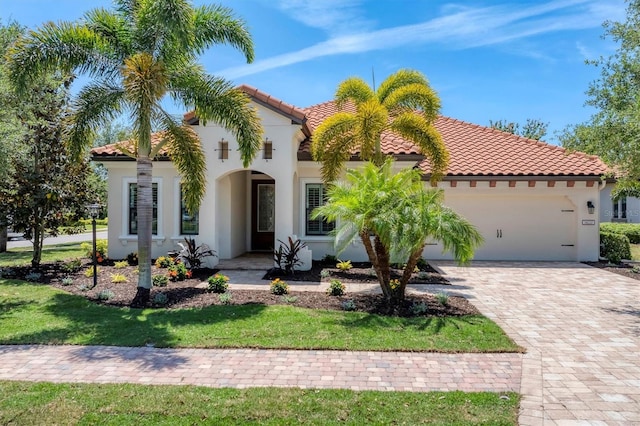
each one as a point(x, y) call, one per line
point(137, 54)
point(394, 216)
point(404, 104)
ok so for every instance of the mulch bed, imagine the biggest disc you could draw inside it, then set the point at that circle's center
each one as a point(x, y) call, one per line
point(191, 293)
point(630, 271)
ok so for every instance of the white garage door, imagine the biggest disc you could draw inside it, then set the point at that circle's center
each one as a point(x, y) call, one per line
point(521, 228)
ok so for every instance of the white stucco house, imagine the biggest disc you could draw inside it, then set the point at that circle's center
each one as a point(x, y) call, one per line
point(623, 210)
point(530, 200)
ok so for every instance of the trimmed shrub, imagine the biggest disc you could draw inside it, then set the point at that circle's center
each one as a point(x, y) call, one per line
point(160, 280)
point(279, 287)
point(118, 278)
point(121, 264)
point(218, 283)
point(614, 247)
point(631, 230)
point(101, 250)
point(336, 288)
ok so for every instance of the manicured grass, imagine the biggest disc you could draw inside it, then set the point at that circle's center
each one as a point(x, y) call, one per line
point(40, 314)
point(635, 251)
point(22, 255)
point(47, 403)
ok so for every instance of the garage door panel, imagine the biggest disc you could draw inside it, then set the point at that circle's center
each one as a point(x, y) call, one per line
point(521, 228)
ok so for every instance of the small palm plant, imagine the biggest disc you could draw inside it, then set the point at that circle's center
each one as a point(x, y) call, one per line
point(394, 216)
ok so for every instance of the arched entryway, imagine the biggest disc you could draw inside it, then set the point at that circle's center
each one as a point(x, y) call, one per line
point(245, 213)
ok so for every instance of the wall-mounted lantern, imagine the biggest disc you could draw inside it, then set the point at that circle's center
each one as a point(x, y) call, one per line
point(591, 207)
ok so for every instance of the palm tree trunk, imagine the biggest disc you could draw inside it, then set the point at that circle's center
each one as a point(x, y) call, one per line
point(408, 270)
point(373, 258)
point(145, 220)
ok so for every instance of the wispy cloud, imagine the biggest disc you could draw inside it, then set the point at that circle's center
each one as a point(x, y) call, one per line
point(335, 17)
point(584, 51)
point(457, 28)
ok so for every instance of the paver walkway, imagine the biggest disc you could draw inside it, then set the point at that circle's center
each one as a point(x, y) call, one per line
point(581, 328)
point(390, 371)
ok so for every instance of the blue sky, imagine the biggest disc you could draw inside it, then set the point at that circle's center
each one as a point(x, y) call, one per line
point(488, 60)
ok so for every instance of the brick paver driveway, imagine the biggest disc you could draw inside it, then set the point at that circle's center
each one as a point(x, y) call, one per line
point(581, 328)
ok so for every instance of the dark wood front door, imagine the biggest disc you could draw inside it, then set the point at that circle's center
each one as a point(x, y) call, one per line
point(263, 214)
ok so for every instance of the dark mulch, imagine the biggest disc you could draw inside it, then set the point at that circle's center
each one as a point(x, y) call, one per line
point(192, 293)
point(630, 271)
point(361, 272)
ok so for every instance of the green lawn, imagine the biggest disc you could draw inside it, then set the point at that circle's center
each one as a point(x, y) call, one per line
point(635, 251)
point(52, 253)
point(33, 313)
point(47, 403)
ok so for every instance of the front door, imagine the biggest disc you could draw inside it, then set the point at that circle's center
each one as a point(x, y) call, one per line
point(263, 214)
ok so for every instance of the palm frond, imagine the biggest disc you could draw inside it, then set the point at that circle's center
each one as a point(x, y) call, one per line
point(111, 27)
point(186, 153)
point(338, 125)
point(403, 77)
point(158, 24)
point(414, 97)
point(415, 128)
point(332, 144)
point(96, 104)
point(63, 46)
point(217, 25)
point(216, 99)
point(353, 89)
point(372, 120)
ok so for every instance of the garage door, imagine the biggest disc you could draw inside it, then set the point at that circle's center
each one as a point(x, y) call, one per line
point(521, 228)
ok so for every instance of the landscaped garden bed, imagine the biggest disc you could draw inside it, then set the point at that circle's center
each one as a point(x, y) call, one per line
point(117, 283)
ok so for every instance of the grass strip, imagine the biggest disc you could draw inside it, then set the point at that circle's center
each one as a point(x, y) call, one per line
point(38, 314)
point(20, 256)
point(117, 404)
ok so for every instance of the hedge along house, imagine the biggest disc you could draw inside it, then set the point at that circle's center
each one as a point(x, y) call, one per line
point(530, 200)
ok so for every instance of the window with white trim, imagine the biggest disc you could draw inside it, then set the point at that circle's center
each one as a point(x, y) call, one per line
point(189, 224)
point(133, 209)
point(315, 196)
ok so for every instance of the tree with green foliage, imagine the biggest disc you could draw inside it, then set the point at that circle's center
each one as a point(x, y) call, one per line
point(613, 132)
point(40, 188)
point(137, 54)
point(11, 131)
point(532, 129)
point(404, 104)
point(394, 216)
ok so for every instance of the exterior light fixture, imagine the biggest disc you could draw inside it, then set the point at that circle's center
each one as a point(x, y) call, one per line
point(591, 207)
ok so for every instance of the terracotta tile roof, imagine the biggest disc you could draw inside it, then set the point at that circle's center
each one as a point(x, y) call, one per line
point(391, 143)
point(268, 100)
point(474, 150)
point(482, 151)
point(113, 151)
point(296, 114)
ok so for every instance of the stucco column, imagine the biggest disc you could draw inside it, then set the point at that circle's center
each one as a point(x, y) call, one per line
point(207, 226)
point(284, 208)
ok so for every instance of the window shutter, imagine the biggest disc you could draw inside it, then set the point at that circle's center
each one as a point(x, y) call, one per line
point(314, 197)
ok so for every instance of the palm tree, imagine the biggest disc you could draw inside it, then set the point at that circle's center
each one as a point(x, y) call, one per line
point(404, 104)
point(136, 55)
point(394, 216)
